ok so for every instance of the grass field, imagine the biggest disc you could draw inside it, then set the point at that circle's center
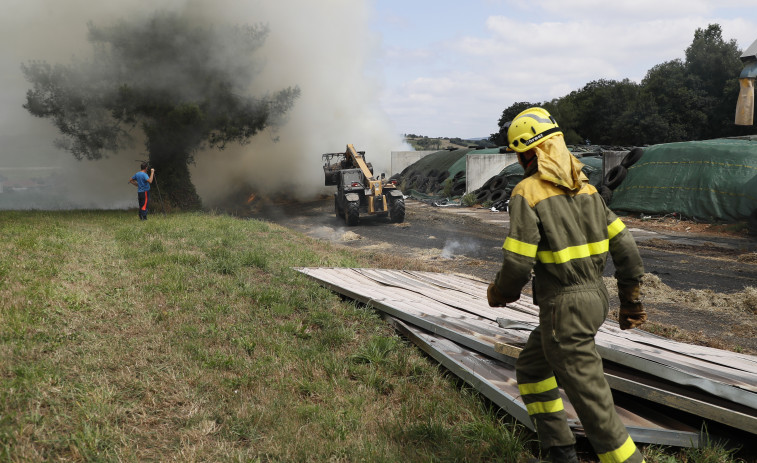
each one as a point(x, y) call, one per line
point(191, 338)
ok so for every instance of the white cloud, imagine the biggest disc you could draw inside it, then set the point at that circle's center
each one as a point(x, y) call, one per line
point(537, 51)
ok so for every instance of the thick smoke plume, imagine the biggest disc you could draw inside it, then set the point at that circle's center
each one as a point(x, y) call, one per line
point(325, 48)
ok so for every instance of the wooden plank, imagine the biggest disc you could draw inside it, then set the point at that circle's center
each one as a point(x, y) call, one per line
point(496, 380)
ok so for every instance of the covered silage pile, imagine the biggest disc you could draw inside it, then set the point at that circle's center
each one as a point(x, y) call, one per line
point(426, 178)
point(710, 180)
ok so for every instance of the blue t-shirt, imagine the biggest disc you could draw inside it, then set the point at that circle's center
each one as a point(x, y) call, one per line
point(142, 183)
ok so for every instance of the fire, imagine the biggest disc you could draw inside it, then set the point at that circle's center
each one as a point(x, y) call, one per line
point(251, 198)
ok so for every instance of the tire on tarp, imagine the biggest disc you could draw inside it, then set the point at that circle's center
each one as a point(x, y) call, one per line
point(752, 223)
point(498, 182)
point(632, 157)
point(497, 196)
point(615, 177)
point(606, 194)
point(483, 195)
point(458, 188)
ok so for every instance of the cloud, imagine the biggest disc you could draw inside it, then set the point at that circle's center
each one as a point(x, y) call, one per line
point(537, 51)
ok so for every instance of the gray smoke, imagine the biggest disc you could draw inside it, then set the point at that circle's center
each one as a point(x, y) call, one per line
point(326, 48)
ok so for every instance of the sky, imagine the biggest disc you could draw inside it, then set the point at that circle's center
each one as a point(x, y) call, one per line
point(450, 68)
point(369, 71)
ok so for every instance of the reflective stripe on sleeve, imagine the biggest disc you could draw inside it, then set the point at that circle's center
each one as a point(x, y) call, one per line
point(536, 388)
point(620, 454)
point(520, 247)
point(614, 228)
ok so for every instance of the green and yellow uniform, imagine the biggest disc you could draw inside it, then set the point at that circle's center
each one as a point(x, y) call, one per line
point(562, 230)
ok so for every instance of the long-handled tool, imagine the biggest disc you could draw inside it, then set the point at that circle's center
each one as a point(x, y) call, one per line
point(162, 204)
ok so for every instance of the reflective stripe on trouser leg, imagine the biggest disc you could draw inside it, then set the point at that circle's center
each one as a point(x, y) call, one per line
point(573, 318)
point(538, 389)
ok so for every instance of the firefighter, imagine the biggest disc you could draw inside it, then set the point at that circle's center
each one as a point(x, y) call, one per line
point(561, 229)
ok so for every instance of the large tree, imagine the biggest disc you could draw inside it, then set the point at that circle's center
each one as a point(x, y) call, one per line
point(185, 86)
point(500, 138)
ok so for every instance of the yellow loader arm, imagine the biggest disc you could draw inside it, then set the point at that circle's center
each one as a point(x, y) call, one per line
point(356, 158)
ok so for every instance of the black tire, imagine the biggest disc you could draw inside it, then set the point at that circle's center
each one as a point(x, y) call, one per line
point(752, 223)
point(397, 210)
point(498, 195)
point(487, 183)
point(337, 209)
point(615, 177)
point(460, 174)
point(632, 157)
point(458, 188)
point(442, 176)
point(498, 183)
point(606, 194)
point(483, 195)
point(352, 214)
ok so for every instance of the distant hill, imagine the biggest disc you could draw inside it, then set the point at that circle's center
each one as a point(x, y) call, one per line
point(421, 143)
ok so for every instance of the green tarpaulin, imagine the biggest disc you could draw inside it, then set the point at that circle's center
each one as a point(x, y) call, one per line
point(711, 180)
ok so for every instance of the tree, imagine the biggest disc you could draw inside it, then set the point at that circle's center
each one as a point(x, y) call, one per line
point(184, 86)
point(679, 101)
point(715, 65)
point(500, 138)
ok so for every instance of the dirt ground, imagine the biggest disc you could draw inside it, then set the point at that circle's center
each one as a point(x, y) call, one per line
point(700, 283)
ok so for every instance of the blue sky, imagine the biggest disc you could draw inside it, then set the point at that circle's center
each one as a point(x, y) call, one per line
point(449, 68)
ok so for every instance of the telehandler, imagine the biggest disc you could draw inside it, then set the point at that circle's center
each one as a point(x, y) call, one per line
point(358, 191)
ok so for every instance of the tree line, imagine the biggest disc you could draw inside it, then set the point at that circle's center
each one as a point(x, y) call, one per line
point(678, 100)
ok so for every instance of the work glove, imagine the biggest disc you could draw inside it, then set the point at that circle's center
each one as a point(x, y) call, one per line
point(632, 313)
point(495, 298)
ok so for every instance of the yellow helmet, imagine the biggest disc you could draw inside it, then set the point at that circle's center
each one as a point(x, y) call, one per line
point(530, 128)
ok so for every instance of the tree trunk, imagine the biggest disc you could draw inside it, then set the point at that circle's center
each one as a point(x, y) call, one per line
point(173, 182)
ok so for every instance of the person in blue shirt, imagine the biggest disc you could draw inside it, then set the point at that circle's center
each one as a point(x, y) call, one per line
point(142, 181)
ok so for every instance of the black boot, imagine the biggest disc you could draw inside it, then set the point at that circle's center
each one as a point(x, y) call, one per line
point(563, 454)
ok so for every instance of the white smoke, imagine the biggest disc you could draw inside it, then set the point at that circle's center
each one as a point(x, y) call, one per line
point(452, 247)
point(326, 48)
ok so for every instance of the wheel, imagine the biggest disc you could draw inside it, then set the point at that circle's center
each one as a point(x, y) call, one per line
point(352, 214)
point(397, 210)
point(337, 209)
point(615, 177)
point(632, 157)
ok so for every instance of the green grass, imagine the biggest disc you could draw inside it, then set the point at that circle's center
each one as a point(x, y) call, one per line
point(191, 338)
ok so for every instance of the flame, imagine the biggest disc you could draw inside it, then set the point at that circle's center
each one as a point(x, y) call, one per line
point(251, 198)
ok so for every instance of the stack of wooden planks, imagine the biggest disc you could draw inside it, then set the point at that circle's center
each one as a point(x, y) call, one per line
point(682, 387)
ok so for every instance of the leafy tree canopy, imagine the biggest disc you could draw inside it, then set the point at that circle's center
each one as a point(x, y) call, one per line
point(678, 100)
point(186, 86)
